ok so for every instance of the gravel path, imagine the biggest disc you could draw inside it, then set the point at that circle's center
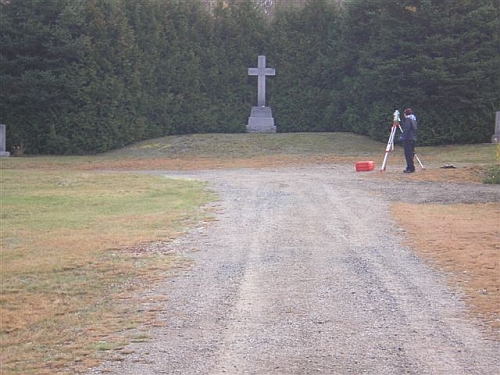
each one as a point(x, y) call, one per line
point(305, 273)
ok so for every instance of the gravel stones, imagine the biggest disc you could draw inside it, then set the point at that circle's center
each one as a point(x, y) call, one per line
point(305, 273)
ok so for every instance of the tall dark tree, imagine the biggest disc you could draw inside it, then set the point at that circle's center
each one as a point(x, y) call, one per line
point(433, 56)
point(86, 76)
point(456, 81)
point(299, 47)
point(110, 83)
point(40, 41)
point(241, 30)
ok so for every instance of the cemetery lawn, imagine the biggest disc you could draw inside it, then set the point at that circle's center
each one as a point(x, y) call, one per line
point(70, 260)
point(74, 229)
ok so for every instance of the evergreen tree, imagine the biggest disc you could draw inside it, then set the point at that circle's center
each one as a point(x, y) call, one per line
point(299, 46)
point(433, 56)
point(40, 42)
point(109, 79)
point(240, 33)
point(457, 76)
point(86, 76)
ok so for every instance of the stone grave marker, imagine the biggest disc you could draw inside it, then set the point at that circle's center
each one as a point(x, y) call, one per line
point(3, 137)
point(496, 137)
point(261, 119)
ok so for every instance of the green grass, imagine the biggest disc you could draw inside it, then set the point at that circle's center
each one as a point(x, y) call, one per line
point(64, 236)
point(478, 154)
point(67, 222)
point(493, 176)
point(251, 145)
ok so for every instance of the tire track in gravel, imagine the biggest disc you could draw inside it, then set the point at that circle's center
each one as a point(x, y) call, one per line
point(304, 273)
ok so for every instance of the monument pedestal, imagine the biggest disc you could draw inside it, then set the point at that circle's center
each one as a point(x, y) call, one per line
point(3, 138)
point(495, 138)
point(261, 121)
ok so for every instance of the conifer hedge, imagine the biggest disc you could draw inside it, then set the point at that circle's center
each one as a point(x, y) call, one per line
point(87, 76)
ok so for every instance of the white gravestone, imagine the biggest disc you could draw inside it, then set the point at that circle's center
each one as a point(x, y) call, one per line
point(496, 137)
point(261, 119)
point(3, 136)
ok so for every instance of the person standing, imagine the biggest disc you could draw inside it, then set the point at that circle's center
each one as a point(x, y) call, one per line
point(409, 139)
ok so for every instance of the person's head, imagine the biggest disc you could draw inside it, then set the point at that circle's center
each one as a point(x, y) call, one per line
point(408, 112)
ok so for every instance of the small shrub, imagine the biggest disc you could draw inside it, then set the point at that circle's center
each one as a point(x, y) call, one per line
point(493, 176)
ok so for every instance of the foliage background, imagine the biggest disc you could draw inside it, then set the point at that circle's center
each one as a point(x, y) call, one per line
point(87, 76)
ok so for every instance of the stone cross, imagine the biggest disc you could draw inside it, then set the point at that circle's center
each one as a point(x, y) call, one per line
point(261, 72)
point(496, 137)
point(3, 137)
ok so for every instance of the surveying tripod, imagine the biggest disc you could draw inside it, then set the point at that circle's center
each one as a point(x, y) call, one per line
point(390, 144)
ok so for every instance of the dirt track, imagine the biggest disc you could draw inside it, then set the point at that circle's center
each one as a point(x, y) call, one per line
point(305, 273)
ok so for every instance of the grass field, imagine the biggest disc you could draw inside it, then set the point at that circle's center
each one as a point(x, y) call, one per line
point(67, 262)
point(71, 227)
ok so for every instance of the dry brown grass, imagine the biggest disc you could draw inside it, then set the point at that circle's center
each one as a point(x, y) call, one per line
point(464, 241)
point(69, 260)
point(38, 330)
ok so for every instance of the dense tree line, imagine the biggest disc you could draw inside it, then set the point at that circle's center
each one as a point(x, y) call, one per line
point(86, 76)
point(357, 64)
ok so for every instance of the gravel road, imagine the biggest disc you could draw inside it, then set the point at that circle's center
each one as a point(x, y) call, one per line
point(305, 273)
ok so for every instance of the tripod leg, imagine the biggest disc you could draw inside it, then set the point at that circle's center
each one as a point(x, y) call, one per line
point(419, 162)
point(389, 148)
point(384, 163)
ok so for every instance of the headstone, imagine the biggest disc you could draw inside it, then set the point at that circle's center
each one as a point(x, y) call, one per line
point(261, 119)
point(496, 137)
point(3, 136)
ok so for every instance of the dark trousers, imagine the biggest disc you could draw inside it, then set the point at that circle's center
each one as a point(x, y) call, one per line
point(409, 147)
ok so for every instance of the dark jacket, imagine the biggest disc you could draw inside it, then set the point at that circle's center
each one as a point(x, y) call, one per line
point(409, 129)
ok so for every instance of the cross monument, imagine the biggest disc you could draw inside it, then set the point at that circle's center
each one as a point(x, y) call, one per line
point(261, 119)
point(261, 72)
